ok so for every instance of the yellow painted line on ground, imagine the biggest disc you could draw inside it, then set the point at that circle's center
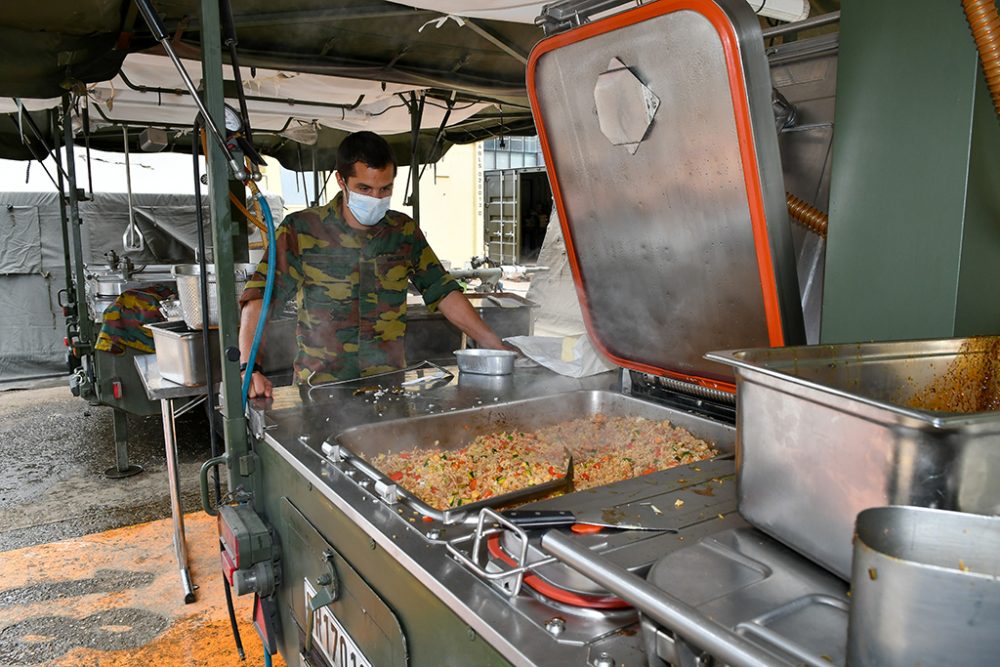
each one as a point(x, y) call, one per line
point(114, 599)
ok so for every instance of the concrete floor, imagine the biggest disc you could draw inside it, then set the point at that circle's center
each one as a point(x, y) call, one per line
point(87, 568)
point(55, 448)
point(113, 599)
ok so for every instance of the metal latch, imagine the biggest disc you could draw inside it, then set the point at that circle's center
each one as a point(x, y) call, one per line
point(327, 592)
point(333, 452)
point(561, 16)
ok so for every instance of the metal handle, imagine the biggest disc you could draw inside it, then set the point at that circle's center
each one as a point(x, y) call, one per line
point(386, 490)
point(673, 614)
point(132, 239)
point(501, 579)
point(540, 518)
point(206, 503)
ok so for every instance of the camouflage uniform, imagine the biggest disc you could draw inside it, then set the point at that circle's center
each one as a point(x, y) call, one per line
point(350, 288)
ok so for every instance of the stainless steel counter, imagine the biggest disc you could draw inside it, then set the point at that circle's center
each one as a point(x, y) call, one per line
point(296, 429)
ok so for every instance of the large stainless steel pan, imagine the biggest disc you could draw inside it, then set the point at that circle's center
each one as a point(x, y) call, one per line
point(827, 431)
point(453, 430)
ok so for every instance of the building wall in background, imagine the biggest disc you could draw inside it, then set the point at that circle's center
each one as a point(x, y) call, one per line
point(449, 210)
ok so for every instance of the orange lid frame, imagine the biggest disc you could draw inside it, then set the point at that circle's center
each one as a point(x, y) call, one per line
point(748, 155)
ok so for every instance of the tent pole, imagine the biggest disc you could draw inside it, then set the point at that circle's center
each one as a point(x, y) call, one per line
point(223, 230)
point(85, 327)
point(416, 115)
point(57, 154)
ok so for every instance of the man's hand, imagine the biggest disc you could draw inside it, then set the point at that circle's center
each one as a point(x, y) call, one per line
point(493, 342)
point(456, 307)
point(260, 386)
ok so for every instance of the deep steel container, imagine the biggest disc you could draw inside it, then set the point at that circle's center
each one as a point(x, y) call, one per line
point(826, 431)
point(925, 589)
point(180, 353)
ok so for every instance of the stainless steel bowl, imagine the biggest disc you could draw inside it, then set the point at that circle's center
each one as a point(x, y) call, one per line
point(486, 362)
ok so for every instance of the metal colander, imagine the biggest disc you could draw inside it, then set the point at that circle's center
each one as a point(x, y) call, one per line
point(189, 292)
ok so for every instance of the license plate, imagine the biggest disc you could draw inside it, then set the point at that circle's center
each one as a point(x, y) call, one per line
point(331, 639)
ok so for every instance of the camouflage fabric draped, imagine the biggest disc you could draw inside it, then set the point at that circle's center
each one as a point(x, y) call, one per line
point(124, 322)
point(350, 288)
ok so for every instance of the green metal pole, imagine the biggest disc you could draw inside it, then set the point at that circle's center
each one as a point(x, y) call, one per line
point(64, 222)
point(234, 424)
point(86, 329)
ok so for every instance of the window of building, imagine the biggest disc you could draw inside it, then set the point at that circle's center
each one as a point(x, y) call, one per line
point(515, 153)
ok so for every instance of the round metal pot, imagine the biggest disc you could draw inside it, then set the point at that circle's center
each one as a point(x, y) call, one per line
point(925, 589)
point(486, 362)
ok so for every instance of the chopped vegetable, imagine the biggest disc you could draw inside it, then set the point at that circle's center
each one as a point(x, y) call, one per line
point(501, 463)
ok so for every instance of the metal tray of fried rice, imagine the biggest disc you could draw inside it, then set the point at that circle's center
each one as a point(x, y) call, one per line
point(452, 431)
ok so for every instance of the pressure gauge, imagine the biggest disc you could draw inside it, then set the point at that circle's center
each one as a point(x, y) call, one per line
point(234, 123)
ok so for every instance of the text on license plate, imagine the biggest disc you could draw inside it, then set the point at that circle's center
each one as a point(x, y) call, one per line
point(331, 639)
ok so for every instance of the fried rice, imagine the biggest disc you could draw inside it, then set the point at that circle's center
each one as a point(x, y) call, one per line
point(604, 450)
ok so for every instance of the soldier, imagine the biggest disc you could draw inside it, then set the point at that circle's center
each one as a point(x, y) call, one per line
point(349, 264)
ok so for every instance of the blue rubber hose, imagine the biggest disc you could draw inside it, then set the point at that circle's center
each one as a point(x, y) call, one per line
point(266, 303)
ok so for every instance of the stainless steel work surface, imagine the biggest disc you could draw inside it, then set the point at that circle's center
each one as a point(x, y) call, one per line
point(765, 592)
point(682, 503)
point(662, 152)
point(825, 432)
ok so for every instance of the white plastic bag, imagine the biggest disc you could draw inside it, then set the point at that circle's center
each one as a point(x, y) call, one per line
point(582, 361)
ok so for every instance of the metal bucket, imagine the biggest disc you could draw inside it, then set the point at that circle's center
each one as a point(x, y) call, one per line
point(925, 589)
point(189, 292)
point(827, 431)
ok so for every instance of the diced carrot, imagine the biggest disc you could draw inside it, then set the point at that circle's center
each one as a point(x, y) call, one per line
point(396, 476)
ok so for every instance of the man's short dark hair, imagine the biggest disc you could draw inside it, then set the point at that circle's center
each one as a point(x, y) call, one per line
point(366, 147)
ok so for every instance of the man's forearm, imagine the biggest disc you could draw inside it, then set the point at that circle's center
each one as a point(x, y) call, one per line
point(459, 311)
point(248, 325)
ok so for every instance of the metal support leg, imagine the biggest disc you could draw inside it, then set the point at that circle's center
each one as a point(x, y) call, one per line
point(176, 512)
point(122, 467)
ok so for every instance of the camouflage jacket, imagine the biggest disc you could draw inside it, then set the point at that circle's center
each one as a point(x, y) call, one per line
point(350, 288)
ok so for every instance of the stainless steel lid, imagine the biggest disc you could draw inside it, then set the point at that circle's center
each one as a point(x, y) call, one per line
point(660, 146)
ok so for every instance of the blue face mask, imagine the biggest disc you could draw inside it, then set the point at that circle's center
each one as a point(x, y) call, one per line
point(367, 210)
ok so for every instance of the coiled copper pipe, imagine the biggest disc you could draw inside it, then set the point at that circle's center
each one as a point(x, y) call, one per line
point(807, 215)
point(985, 24)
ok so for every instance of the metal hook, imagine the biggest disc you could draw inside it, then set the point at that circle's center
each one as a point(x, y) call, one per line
point(132, 239)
